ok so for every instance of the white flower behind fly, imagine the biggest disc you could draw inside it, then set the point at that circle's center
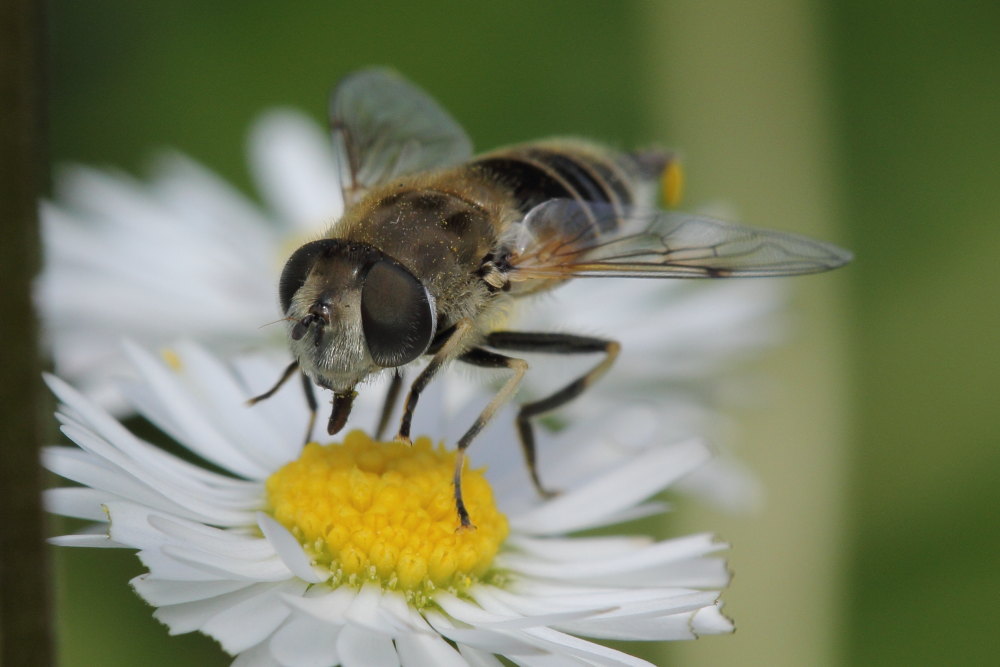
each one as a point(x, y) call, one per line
point(182, 254)
point(347, 553)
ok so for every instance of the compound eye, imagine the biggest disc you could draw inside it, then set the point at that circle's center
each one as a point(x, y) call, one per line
point(297, 268)
point(397, 314)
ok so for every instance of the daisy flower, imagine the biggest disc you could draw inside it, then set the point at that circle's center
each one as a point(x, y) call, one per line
point(347, 553)
point(184, 254)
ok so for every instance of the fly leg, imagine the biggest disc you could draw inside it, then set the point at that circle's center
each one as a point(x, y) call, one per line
point(552, 343)
point(307, 388)
point(391, 396)
point(287, 373)
point(448, 349)
point(486, 359)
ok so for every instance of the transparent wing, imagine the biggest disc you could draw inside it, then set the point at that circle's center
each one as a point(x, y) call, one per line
point(563, 238)
point(383, 127)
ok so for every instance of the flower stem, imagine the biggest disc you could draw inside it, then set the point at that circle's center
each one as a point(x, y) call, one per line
point(25, 636)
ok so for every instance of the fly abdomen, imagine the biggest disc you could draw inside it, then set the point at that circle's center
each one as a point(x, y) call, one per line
point(536, 173)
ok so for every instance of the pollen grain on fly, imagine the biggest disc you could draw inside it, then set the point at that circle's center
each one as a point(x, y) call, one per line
point(672, 183)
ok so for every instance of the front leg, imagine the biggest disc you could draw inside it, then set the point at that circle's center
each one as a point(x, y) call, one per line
point(307, 388)
point(447, 351)
point(310, 394)
point(391, 396)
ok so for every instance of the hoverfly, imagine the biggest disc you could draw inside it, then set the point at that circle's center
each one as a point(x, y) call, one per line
point(434, 242)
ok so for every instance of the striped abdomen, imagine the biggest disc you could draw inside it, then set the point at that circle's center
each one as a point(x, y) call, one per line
point(538, 172)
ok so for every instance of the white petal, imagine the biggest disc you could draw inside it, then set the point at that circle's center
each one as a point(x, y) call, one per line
point(711, 621)
point(78, 466)
point(538, 596)
point(424, 650)
point(471, 614)
point(558, 659)
point(543, 647)
point(180, 474)
point(305, 641)
point(225, 403)
point(200, 198)
point(577, 548)
point(294, 167)
point(400, 617)
point(328, 606)
point(288, 549)
point(590, 604)
point(96, 464)
point(144, 527)
point(168, 568)
point(244, 624)
point(181, 417)
point(91, 541)
point(365, 609)
point(287, 409)
point(661, 628)
point(477, 658)
point(614, 490)
point(160, 592)
point(358, 647)
point(562, 643)
point(501, 642)
point(191, 616)
point(77, 501)
point(639, 615)
point(271, 569)
point(540, 615)
point(669, 551)
point(256, 656)
point(208, 538)
point(95, 418)
point(692, 573)
point(215, 553)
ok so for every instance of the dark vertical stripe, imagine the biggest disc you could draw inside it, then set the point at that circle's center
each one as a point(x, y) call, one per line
point(532, 183)
point(535, 182)
point(613, 178)
point(584, 182)
point(539, 173)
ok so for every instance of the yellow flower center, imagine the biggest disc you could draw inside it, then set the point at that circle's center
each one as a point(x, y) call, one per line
point(385, 512)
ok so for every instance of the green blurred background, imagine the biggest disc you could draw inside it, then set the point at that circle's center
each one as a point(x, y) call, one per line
point(860, 122)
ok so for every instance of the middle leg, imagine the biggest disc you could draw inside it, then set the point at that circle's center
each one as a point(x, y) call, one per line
point(553, 343)
point(486, 359)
